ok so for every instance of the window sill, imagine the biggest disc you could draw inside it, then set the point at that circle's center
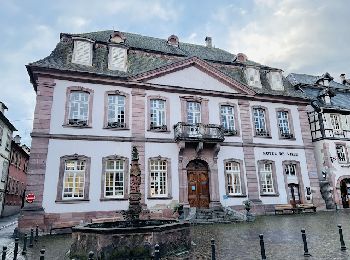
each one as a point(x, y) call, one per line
point(71, 201)
point(116, 128)
point(269, 195)
point(286, 138)
point(111, 199)
point(159, 131)
point(261, 136)
point(236, 196)
point(77, 126)
point(159, 198)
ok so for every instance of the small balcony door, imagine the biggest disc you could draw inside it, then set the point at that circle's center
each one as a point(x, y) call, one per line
point(194, 118)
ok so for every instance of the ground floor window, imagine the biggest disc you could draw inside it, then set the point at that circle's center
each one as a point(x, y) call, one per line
point(266, 178)
point(74, 179)
point(114, 178)
point(232, 170)
point(158, 178)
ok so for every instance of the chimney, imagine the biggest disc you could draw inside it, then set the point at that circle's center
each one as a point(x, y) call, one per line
point(17, 139)
point(208, 42)
point(241, 57)
point(342, 78)
point(3, 107)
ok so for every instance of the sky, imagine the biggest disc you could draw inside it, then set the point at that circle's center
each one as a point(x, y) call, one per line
point(301, 36)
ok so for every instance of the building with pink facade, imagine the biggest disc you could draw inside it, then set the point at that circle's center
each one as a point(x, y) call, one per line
point(212, 128)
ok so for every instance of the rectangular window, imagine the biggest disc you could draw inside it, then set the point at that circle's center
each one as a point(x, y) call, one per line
point(228, 119)
point(283, 124)
point(82, 52)
point(116, 111)
point(290, 169)
point(8, 141)
point(74, 179)
point(1, 132)
point(5, 168)
point(266, 178)
point(260, 122)
point(233, 172)
point(341, 152)
point(114, 179)
point(78, 108)
point(158, 174)
point(157, 109)
point(335, 121)
point(193, 112)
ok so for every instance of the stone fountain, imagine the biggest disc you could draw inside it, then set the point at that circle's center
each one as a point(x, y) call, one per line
point(133, 237)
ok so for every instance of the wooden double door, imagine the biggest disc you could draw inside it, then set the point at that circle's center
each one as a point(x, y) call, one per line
point(198, 185)
point(294, 194)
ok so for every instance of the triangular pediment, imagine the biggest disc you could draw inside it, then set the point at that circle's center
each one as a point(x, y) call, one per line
point(193, 73)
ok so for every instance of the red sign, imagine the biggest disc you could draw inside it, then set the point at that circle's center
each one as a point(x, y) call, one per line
point(30, 197)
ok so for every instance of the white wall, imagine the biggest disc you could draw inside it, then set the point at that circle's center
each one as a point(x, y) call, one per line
point(94, 149)
point(59, 103)
point(192, 78)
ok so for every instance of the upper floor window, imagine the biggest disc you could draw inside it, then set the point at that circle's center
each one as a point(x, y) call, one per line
point(117, 58)
point(74, 179)
point(82, 52)
point(341, 153)
point(78, 108)
point(335, 122)
point(275, 80)
point(290, 169)
point(266, 179)
point(158, 178)
point(284, 126)
point(228, 119)
point(260, 122)
point(233, 172)
point(193, 112)
point(114, 179)
point(158, 114)
point(8, 141)
point(116, 111)
point(253, 77)
point(5, 168)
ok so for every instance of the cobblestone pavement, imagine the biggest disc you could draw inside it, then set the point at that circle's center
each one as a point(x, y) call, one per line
point(241, 241)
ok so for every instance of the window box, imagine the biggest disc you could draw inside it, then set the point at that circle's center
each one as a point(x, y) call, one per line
point(158, 127)
point(77, 122)
point(116, 125)
point(261, 132)
point(230, 132)
point(287, 135)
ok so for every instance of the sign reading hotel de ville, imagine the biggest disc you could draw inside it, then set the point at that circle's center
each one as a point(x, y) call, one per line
point(281, 154)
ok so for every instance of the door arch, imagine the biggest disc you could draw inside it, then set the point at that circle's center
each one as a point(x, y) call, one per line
point(198, 184)
point(345, 192)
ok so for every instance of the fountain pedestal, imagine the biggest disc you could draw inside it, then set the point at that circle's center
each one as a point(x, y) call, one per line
point(133, 237)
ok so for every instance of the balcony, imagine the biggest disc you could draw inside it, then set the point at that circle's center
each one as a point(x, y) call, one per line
point(198, 132)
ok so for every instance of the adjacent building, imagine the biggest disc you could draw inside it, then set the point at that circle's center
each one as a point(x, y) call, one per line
point(329, 119)
point(6, 131)
point(212, 128)
point(17, 177)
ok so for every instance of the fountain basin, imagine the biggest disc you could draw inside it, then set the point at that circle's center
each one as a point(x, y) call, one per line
point(126, 239)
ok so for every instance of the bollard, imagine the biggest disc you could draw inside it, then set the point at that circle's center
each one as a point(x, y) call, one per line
point(262, 247)
point(156, 252)
point(31, 237)
point(4, 250)
point(36, 233)
point(342, 243)
point(91, 255)
point(213, 255)
point(306, 250)
point(15, 251)
point(24, 251)
point(42, 254)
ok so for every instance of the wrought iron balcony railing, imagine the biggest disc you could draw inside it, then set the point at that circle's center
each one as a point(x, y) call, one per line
point(198, 132)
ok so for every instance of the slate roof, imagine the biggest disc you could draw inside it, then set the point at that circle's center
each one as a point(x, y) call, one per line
point(7, 122)
point(307, 83)
point(149, 59)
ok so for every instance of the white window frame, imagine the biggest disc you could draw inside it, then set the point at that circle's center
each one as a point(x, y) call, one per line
point(76, 174)
point(117, 106)
point(1, 132)
point(260, 125)
point(283, 122)
point(193, 112)
point(336, 123)
point(291, 169)
point(233, 174)
point(158, 178)
point(341, 150)
point(157, 114)
point(228, 118)
point(81, 114)
point(266, 179)
point(118, 169)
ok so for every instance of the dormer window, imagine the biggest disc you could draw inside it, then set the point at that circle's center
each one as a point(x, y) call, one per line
point(82, 51)
point(275, 80)
point(253, 77)
point(117, 58)
point(173, 40)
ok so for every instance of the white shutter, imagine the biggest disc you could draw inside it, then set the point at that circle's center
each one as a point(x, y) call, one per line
point(82, 53)
point(275, 79)
point(253, 77)
point(344, 119)
point(117, 58)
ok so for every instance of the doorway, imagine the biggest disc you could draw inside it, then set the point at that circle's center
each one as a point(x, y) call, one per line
point(294, 194)
point(198, 184)
point(345, 192)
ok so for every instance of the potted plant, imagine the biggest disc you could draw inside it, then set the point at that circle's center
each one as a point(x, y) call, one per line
point(247, 205)
point(179, 209)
